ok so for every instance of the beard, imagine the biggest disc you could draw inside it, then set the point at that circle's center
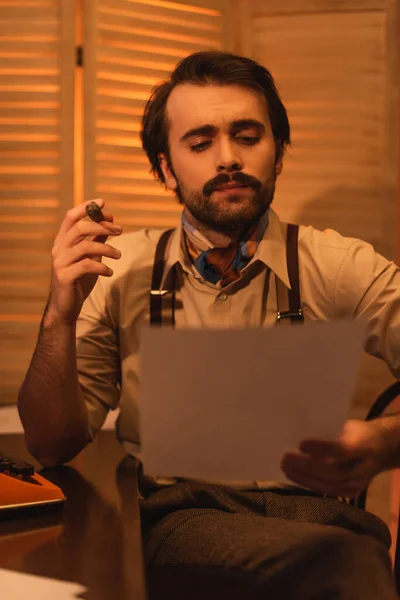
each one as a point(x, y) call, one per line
point(237, 211)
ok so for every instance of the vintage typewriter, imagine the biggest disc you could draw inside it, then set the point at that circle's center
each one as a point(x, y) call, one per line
point(22, 488)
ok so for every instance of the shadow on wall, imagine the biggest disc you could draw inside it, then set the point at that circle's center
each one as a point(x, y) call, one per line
point(353, 212)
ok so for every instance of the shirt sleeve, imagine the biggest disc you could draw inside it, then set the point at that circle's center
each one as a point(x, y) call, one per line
point(368, 286)
point(97, 347)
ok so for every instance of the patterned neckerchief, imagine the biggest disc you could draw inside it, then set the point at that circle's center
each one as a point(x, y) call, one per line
point(221, 266)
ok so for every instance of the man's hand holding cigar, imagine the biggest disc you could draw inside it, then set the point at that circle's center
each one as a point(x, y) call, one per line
point(77, 258)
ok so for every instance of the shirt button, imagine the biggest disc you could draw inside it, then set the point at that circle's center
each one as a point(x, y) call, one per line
point(223, 297)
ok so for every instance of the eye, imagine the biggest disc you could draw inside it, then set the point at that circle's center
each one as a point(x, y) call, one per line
point(200, 147)
point(248, 139)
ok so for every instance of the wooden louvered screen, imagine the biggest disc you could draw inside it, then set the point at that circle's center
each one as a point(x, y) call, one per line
point(35, 167)
point(136, 44)
point(332, 66)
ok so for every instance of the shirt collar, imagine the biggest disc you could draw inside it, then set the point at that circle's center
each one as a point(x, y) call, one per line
point(271, 250)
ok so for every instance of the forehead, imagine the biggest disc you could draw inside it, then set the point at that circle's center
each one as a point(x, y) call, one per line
point(192, 105)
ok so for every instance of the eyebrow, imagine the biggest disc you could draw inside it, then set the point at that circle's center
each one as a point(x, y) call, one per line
point(235, 126)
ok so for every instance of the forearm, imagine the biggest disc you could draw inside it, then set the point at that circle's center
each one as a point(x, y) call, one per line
point(50, 401)
point(388, 430)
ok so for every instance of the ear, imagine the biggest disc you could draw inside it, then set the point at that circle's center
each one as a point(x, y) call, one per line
point(278, 166)
point(170, 180)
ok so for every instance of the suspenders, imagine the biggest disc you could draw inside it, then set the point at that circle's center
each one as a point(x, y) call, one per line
point(157, 295)
point(288, 300)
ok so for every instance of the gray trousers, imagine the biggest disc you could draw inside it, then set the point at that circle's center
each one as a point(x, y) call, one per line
point(204, 542)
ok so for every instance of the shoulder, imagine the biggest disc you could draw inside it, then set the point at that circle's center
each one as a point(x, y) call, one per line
point(322, 255)
point(337, 251)
point(342, 268)
point(326, 240)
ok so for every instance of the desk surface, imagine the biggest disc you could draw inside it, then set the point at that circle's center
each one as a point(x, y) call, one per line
point(95, 538)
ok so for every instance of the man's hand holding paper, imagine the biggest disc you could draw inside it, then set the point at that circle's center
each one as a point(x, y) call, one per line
point(344, 467)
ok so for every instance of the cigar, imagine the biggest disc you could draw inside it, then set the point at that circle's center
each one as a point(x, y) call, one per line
point(94, 212)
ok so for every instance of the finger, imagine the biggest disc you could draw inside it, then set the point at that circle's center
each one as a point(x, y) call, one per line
point(75, 214)
point(86, 249)
point(326, 448)
point(317, 484)
point(108, 217)
point(85, 267)
point(102, 238)
point(83, 229)
point(332, 470)
point(346, 489)
point(303, 465)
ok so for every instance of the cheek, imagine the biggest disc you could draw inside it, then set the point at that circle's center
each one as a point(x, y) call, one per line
point(194, 171)
point(263, 163)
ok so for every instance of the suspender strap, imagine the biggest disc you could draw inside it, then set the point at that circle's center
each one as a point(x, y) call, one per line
point(156, 293)
point(289, 304)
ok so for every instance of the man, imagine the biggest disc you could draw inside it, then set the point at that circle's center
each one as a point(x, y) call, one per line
point(215, 134)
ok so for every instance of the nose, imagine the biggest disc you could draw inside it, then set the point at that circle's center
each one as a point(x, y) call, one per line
point(228, 159)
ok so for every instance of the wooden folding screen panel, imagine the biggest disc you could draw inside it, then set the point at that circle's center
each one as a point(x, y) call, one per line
point(336, 66)
point(36, 111)
point(128, 45)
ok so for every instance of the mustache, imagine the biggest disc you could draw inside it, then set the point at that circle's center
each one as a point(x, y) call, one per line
point(240, 178)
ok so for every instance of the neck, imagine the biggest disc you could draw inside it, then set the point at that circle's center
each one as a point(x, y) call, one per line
point(219, 239)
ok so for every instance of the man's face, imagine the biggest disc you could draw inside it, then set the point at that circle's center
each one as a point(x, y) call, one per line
point(220, 136)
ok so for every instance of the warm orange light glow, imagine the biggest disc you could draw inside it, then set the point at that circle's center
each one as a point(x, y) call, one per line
point(130, 142)
point(122, 93)
point(114, 76)
point(27, 170)
point(31, 55)
point(28, 71)
point(38, 219)
point(31, 284)
point(133, 62)
point(27, 121)
point(23, 236)
point(124, 125)
point(127, 174)
point(26, 39)
point(78, 111)
point(159, 35)
point(183, 21)
point(31, 105)
point(181, 7)
point(27, 3)
point(34, 87)
point(119, 109)
point(14, 271)
point(10, 318)
point(30, 185)
point(28, 154)
point(28, 137)
point(129, 157)
point(149, 48)
point(29, 203)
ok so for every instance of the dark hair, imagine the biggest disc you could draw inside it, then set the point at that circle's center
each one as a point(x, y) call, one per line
point(204, 68)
